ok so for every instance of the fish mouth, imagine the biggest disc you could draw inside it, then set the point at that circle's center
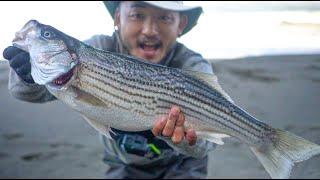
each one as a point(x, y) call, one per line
point(64, 78)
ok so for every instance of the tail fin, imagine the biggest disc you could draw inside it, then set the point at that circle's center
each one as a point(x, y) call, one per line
point(279, 159)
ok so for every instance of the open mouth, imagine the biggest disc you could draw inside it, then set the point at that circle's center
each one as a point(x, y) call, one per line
point(149, 50)
point(64, 78)
point(149, 47)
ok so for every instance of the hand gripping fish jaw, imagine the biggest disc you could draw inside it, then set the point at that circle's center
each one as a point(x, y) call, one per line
point(53, 54)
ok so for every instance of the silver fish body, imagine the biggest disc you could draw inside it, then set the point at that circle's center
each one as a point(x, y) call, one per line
point(126, 93)
point(135, 93)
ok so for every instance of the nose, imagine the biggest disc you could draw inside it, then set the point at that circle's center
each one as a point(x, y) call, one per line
point(150, 27)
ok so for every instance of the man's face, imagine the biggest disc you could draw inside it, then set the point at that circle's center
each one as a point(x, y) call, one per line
point(148, 32)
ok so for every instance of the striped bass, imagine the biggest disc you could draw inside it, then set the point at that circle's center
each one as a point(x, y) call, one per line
point(127, 93)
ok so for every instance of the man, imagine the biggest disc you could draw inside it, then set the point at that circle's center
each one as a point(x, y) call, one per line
point(147, 30)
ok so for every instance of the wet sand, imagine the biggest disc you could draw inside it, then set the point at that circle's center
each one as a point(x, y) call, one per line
point(283, 91)
point(52, 141)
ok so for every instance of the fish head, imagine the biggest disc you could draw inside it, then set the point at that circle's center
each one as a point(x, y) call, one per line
point(53, 54)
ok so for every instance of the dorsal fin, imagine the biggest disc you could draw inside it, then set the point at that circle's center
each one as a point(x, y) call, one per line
point(211, 80)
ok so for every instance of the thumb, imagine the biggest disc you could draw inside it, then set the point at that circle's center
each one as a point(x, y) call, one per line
point(11, 51)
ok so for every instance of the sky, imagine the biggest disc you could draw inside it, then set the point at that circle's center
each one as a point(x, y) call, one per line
point(224, 30)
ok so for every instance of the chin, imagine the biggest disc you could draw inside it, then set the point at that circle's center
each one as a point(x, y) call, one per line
point(153, 59)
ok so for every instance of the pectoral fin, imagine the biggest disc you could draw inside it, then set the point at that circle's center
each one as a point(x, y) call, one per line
point(212, 137)
point(90, 99)
point(105, 130)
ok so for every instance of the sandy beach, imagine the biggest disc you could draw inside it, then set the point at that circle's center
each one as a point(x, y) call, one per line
point(52, 141)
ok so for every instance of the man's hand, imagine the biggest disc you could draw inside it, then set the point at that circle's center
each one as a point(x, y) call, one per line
point(19, 61)
point(173, 126)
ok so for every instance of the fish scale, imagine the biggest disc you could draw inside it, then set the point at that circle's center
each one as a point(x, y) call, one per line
point(190, 99)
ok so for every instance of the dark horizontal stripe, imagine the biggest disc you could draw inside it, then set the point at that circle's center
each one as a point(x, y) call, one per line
point(208, 117)
point(201, 86)
point(121, 89)
point(247, 123)
point(154, 85)
point(115, 95)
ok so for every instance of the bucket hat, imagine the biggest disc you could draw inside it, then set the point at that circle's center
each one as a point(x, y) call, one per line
point(193, 13)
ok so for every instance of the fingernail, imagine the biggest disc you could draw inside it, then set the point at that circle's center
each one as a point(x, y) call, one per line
point(176, 109)
point(174, 114)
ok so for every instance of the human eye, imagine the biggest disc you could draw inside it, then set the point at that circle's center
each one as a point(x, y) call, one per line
point(136, 16)
point(166, 18)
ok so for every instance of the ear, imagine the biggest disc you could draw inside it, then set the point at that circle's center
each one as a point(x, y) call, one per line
point(117, 17)
point(183, 23)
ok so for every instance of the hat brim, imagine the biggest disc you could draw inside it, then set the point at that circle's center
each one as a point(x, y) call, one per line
point(193, 13)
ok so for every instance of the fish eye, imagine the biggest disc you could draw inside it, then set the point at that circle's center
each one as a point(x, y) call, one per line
point(47, 34)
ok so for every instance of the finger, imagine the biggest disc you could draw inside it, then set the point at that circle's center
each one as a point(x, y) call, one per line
point(23, 70)
point(10, 52)
point(29, 78)
point(191, 137)
point(181, 119)
point(20, 59)
point(170, 125)
point(178, 135)
point(159, 125)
